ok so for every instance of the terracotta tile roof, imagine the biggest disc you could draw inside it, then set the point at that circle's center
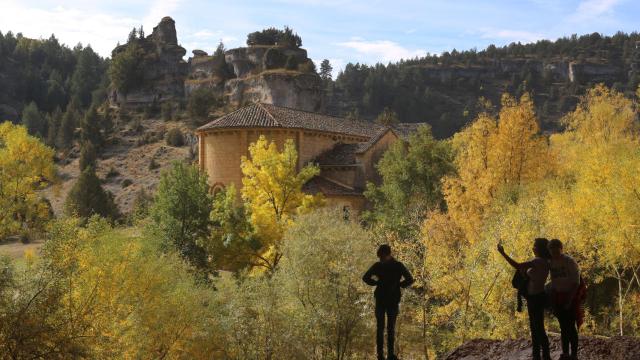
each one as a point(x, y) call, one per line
point(267, 115)
point(403, 130)
point(320, 184)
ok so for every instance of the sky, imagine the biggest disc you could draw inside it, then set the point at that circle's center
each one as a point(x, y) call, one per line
point(343, 31)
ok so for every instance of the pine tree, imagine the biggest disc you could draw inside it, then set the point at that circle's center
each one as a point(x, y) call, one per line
point(54, 121)
point(133, 35)
point(68, 125)
point(90, 128)
point(87, 76)
point(33, 120)
point(88, 155)
point(387, 117)
point(56, 93)
point(87, 197)
point(325, 70)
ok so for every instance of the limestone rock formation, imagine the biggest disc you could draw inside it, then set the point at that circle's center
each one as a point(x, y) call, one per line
point(270, 74)
point(163, 71)
point(297, 91)
point(206, 71)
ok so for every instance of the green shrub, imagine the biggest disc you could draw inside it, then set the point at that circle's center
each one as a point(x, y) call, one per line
point(175, 137)
point(166, 111)
point(153, 164)
point(292, 63)
point(201, 101)
point(307, 67)
point(87, 197)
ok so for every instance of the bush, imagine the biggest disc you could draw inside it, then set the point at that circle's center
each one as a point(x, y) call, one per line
point(151, 110)
point(307, 67)
point(273, 36)
point(166, 111)
point(175, 137)
point(123, 295)
point(292, 63)
point(201, 101)
point(87, 198)
point(320, 272)
point(112, 173)
point(180, 213)
point(153, 164)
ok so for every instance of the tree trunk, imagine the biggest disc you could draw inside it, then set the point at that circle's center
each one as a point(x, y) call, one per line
point(424, 333)
point(620, 301)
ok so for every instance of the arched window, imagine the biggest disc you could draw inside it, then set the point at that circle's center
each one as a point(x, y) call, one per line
point(216, 188)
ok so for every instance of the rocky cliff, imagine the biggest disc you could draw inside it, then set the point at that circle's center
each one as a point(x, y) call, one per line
point(163, 69)
point(272, 74)
point(277, 74)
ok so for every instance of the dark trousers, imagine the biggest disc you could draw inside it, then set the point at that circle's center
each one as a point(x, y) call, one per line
point(390, 308)
point(539, 339)
point(568, 330)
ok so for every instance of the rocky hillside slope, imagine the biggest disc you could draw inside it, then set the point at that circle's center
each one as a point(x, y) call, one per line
point(131, 162)
point(616, 348)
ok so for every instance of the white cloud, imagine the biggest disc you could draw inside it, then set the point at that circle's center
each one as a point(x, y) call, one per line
point(511, 35)
point(592, 9)
point(158, 10)
point(69, 24)
point(381, 50)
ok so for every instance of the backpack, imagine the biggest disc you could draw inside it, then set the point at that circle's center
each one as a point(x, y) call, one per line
point(520, 282)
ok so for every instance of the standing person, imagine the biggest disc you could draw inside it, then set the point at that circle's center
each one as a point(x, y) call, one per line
point(390, 275)
point(536, 270)
point(565, 281)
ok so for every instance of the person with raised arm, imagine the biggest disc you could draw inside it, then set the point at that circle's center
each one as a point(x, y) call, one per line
point(535, 272)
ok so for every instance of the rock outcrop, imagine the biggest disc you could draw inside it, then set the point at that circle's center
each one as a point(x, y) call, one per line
point(270, 74)
point(297, 91)
point(164, 69)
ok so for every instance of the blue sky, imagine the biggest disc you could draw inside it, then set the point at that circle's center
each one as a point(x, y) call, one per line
point(343, 31)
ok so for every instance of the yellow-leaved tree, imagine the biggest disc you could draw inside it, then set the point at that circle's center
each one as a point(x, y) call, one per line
point(493, 156)
point(26, 166)
point(596, 206)
point(497, 159)
point(272, 193)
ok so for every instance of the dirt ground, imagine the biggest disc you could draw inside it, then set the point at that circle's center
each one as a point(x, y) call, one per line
point(616, 348)
point(17, 249)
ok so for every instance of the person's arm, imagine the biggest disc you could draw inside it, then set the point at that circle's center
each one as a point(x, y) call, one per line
point(368, 276)
point(516, 265)
point(408, 279)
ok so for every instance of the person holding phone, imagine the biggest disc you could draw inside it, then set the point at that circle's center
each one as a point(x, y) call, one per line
point(536, 271)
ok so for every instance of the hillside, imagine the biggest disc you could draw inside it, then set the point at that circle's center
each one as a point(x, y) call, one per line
point(444, 89)
point(131, 161)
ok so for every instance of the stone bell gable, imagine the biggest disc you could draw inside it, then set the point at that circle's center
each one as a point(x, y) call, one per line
point(345, 150)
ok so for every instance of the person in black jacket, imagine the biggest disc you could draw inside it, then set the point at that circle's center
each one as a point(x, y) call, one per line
point(388, 275)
